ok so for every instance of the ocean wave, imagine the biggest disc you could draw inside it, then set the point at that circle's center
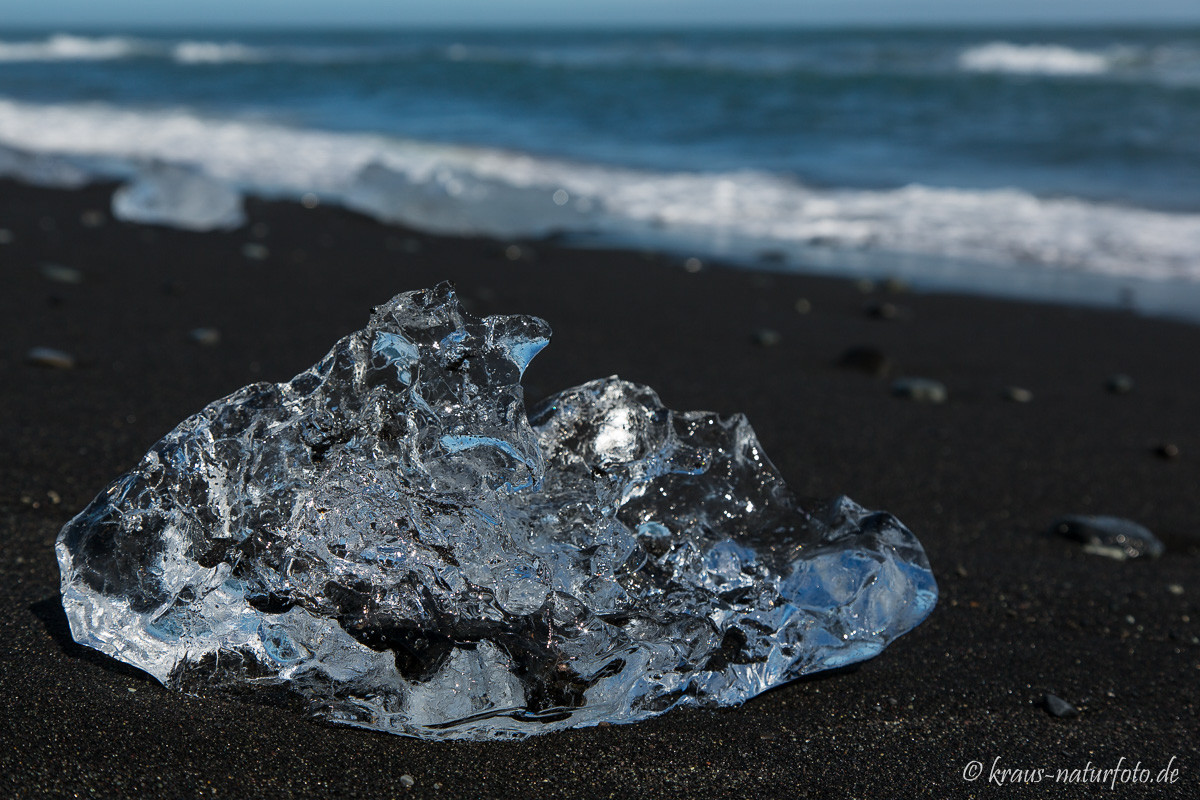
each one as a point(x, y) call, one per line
point(753, 58)
point(1033, 59)
point(65, 47)
point(192, 52)
point(503, 193)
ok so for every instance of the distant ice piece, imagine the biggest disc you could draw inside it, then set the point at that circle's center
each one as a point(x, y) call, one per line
point(450, 200)
point(168, 194)
point(41, 169)
point(390, 537)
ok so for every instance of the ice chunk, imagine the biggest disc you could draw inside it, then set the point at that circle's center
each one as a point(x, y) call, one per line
point(390, 536)
point(41, 169)
point(450, 200)
point(166, 194)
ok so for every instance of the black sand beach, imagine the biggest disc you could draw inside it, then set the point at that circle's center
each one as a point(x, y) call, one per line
point(978, 478)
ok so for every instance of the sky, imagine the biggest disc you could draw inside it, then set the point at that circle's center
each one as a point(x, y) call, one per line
point(68, 14)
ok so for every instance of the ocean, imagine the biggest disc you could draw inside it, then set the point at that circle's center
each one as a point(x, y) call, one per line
point(1049, 163)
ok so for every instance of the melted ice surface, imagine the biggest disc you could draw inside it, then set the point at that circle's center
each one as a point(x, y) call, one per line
point(392, 538)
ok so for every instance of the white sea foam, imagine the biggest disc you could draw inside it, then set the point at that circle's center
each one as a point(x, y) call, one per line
point(64, 47)
point(217, 53)
point(741, 213)
point(1033, 59)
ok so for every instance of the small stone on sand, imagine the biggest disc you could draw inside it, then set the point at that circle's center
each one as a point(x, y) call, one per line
point(1057, 707)
point(6, 236)
point(765, 337)
point(1112, 537)
point(205, 336)
point(50, 358)
point(1017, 394)
point(92, 218)
point(1119, 384)
point(407, 781)
point(693, 265)
point(866, 359)
point(1167, 451)
point(60, 274)
point(876, 310)
point(922, 390)
point(803, 306)
point(255, 251)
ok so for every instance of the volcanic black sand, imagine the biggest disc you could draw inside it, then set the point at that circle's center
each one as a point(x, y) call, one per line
point(978, 478)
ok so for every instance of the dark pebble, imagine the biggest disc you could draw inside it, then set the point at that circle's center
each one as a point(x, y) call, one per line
point(765, 337)
point(870, 360)
point(882, 310)
point(922, 390)
point(1119, 384)
point(255, 251)
point(205, 336)
point(1167, 451)
point(1109, 536)
point(60, 274)
point(1057, 707)
point(1018, 395)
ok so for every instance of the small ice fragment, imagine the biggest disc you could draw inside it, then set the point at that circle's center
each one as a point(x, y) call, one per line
point(165, 194)
point(923, 390)
point(1112, 537)
point(60, 274)
point(205, 336)
point(765, 337)
point(255, 251)
point(41, 169)
point(1119, 384)
point(393, 539)
point(48, 357)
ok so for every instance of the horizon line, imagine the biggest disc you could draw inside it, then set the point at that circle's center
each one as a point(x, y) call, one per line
point(1139, 23)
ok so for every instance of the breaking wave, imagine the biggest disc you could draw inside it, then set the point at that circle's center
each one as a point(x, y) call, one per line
point(64, 47)
point(217, 53)
point(1033, 59)
point(471, 190)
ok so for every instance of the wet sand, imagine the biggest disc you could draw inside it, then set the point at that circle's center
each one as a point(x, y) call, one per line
point(978, 478)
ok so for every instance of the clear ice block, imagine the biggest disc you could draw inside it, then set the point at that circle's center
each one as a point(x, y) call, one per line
point(392, 538)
